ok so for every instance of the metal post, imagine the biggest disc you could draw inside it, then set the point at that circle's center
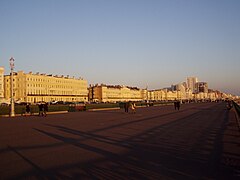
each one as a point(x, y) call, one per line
point(12, 112)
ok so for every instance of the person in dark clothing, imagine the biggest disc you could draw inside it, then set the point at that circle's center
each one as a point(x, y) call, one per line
point(40, 106)
point(175, 104)
point(126, 106)
point(45, 109)
point(28, 109)
point(178, 105)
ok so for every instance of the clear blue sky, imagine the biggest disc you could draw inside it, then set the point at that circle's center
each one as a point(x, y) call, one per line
point(128, 42)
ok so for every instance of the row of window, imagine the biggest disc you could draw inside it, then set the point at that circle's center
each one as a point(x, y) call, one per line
point(48, 99)
point(56, 86)
point(47, 86)
point(51, 81)
point(122, 94)
point(40, 92)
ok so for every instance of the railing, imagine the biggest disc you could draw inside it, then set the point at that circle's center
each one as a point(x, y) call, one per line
point(237, 113)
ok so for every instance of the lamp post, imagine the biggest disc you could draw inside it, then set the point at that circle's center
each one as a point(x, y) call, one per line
point(12, 112)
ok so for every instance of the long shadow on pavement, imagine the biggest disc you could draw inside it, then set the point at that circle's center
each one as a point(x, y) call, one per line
point(186, 148)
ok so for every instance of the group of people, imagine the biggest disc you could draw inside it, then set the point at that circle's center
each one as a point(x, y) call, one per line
point(177, 105)
point(130, 105)
point(43, 109)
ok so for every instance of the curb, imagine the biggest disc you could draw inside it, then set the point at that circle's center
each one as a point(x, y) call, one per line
point(35, 114)
point(104, 109)
point(90, 110)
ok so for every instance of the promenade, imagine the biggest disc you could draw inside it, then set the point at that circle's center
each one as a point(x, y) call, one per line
point(200, 141)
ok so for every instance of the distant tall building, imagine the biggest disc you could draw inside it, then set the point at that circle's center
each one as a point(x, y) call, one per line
point(178, 87)
point(202, 87)
point(1, 83)
point(173, 87)
point(191, 83)
point(185, 85)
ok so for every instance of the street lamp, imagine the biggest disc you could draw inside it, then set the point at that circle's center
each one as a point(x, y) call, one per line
point(12, 112)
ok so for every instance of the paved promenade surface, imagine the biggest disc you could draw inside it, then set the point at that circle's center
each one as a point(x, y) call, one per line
point(201, 141)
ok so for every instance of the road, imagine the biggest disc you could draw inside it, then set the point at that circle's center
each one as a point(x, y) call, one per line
point(200, 141)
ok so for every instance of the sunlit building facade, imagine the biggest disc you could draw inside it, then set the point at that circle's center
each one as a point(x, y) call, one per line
point(32, 88)
point(172, 95)
point(212, 96)
point(182, 91)
point(145, 94)
point(158, 95)
point(109, 93)
point(191, 83)
point(201, 96)
point(189, 95)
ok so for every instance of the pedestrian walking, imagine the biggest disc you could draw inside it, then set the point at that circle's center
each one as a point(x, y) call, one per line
point(126, 107)
point(178, 105)
point(175, 104)
point(28, 111)
point(40, 106)
point(45, 109)
point(133, 107)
